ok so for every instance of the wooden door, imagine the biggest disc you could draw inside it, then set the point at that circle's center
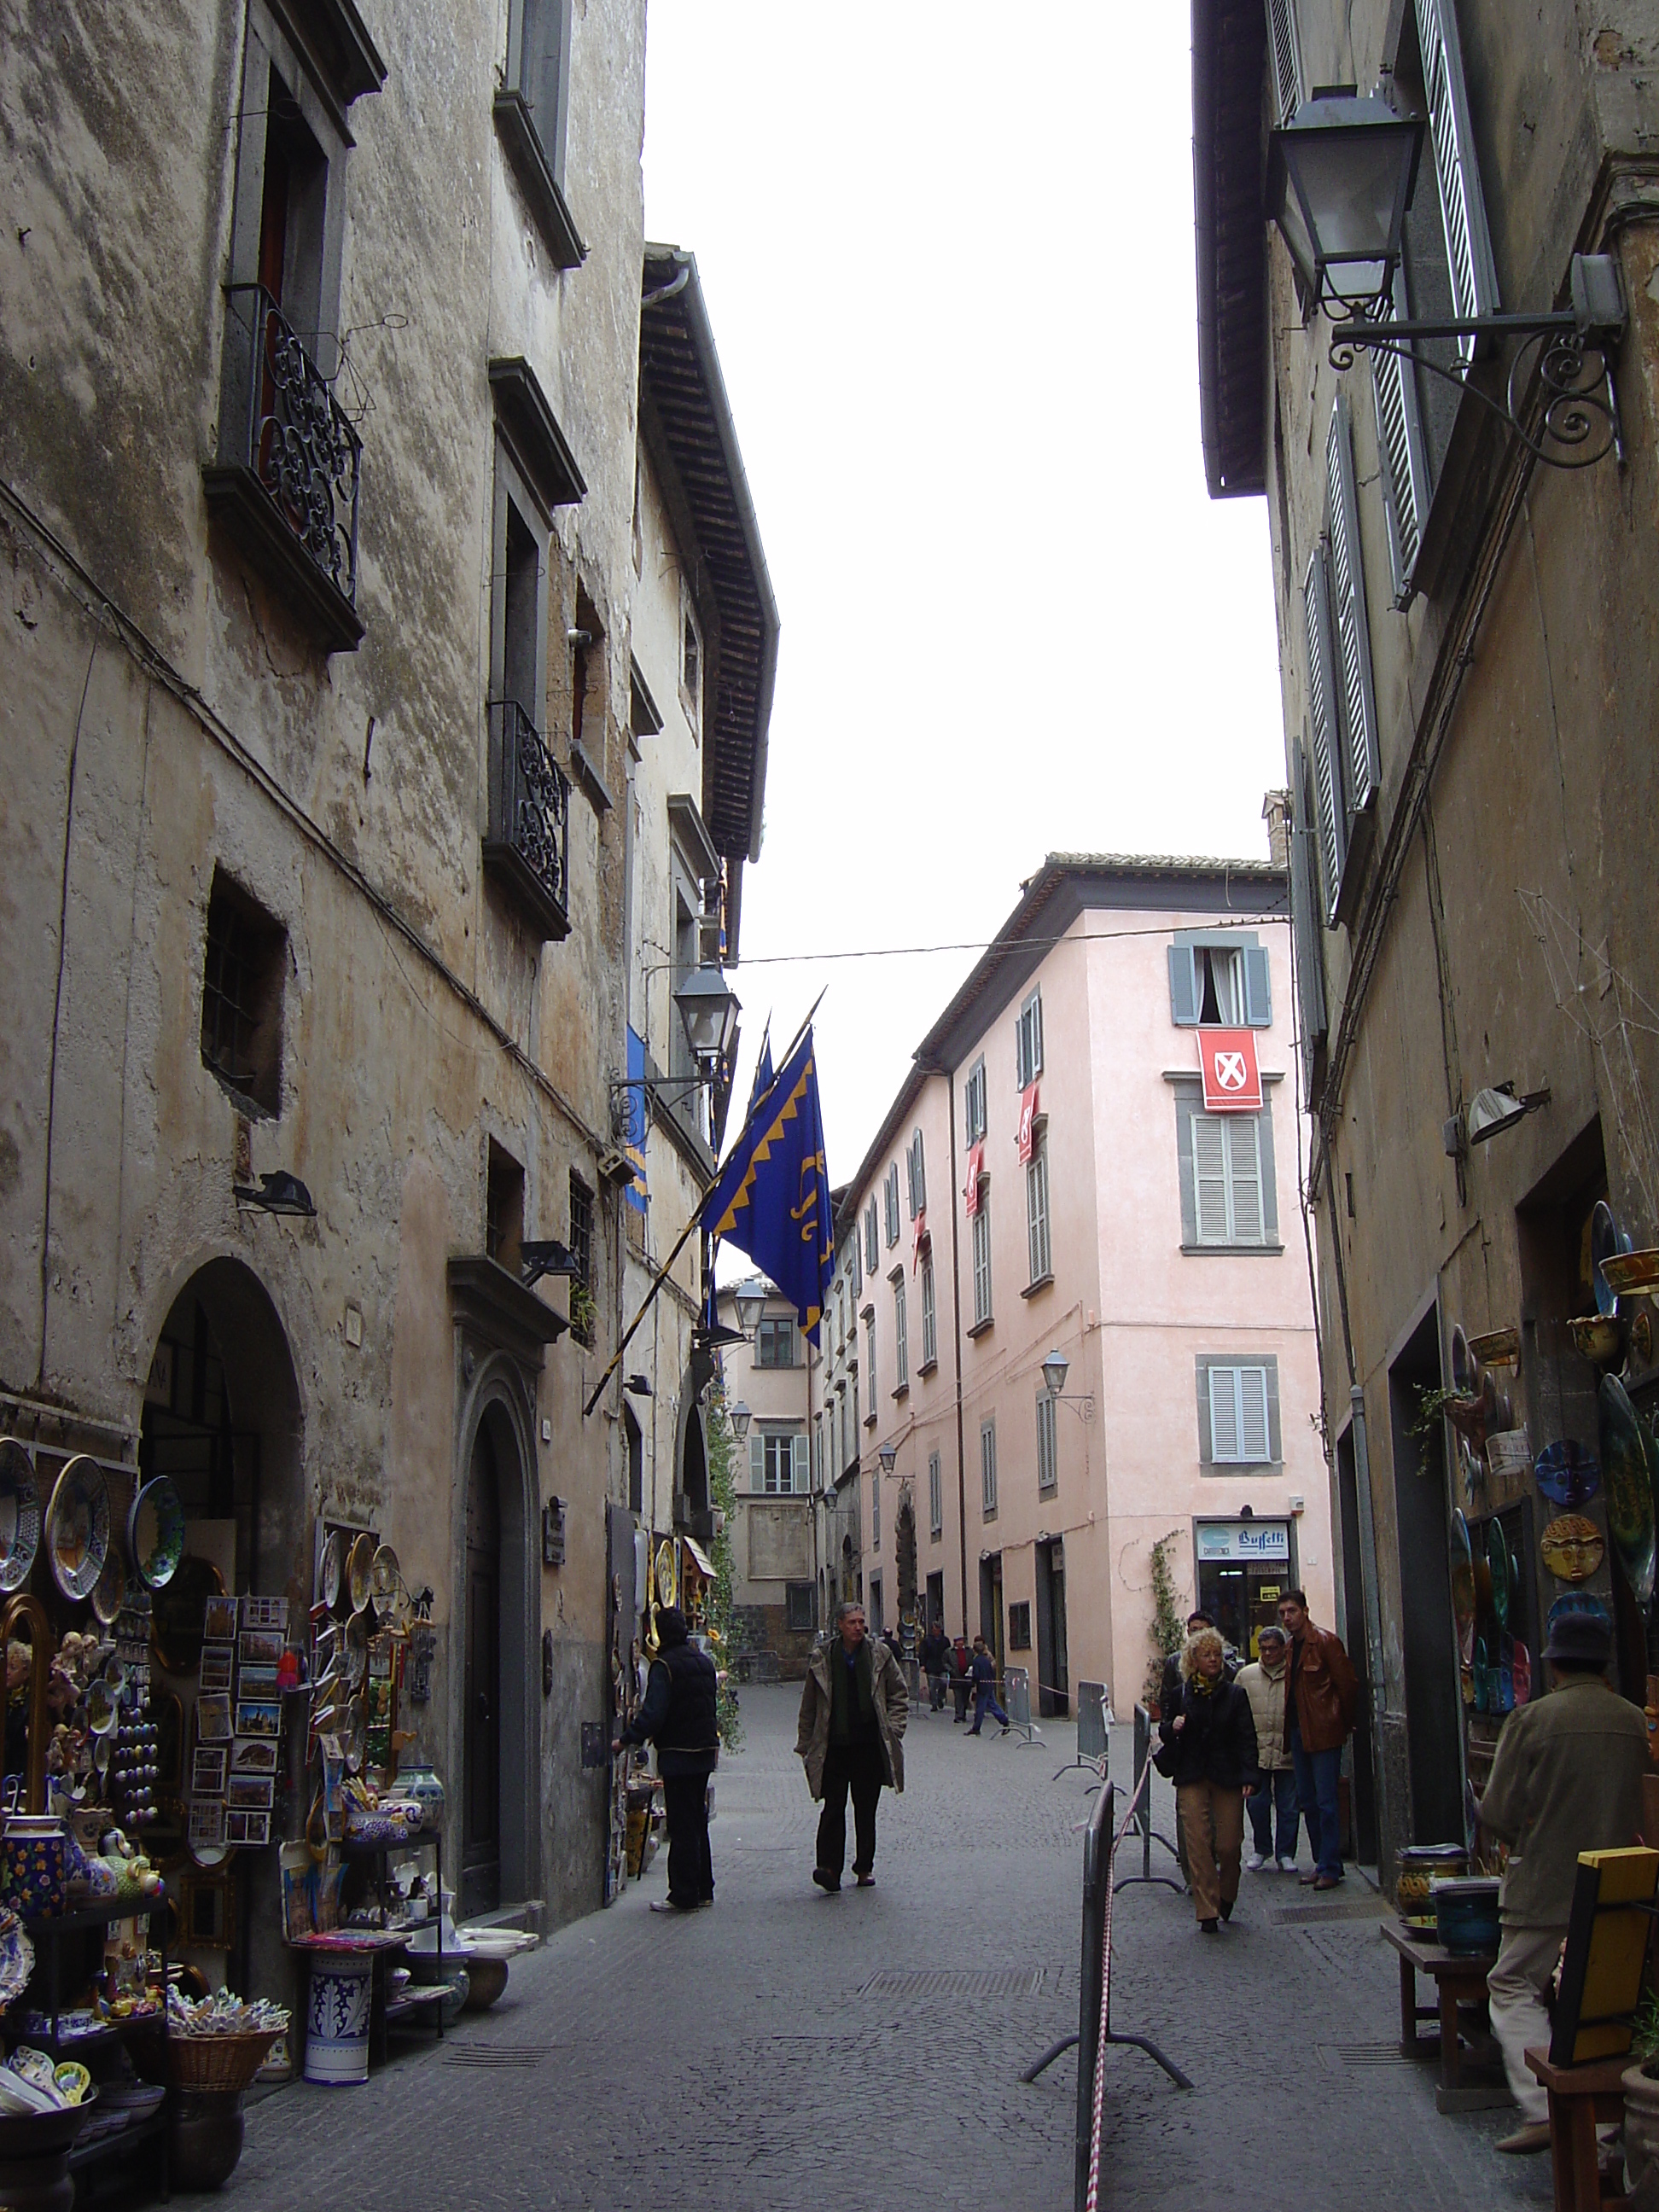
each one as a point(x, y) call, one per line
point(481, 1837)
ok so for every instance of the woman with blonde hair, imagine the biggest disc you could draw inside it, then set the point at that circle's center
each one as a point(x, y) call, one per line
point(1208, 1750)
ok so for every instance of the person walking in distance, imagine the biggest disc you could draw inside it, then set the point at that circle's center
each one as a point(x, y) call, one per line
point(1566, 1777)
point(962, 1676)
point(935, 1656)
point(983, 1669)
point(1207, 1748)
point(854, 1708)
point(1271, 1799)
point(1324, 1697)
point(678, 1714)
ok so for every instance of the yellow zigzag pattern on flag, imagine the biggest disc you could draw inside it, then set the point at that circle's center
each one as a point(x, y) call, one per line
point(762, 1150)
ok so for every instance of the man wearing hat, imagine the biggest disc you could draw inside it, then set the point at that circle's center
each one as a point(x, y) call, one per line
point(679, 1714)
point(1567, 1777)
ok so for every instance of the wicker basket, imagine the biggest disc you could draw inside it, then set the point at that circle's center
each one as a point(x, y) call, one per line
point(218, 2061)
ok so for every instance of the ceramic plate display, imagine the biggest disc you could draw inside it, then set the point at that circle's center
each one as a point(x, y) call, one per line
point(1628, 1472)
point(1572, 1547)
point(16, 1958)
point(1607, 1241)
point(209, 1855)
point(156, 1532)
point(384, 1577)
point(666, 1572)
point(333, 1570)
point(359, 1571)
point(78, 1528)
point(1498, 1562)
point(20, 1515)
point(1567, 1473)
point(111, 1594)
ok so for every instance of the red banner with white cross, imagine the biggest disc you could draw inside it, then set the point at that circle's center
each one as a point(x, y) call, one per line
point(1027, 1107)
point(1232, 1079)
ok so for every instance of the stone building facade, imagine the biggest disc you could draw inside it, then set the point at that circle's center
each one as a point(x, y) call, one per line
point(1466, 654)
point(320, 489)
point(775, 1602)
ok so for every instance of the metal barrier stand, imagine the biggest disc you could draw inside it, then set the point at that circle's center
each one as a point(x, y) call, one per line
point(1016, 1691)
point(1091, 1707)
point(1143, 1815)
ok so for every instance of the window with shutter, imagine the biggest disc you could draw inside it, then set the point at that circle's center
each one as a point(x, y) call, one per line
point(1028, 1041)
point(756, 1461)
point(1227, 1193)
point(929, 1316)
point(1036, 1211)
point(870, 1358)
point(1047, 1454)
point(890, 1190)
point(1331, 815)
point(918, 1176)
point(900, 1339)
point(982, 1256)
point(1258, 988)
point(935, 1496)
point(1183, 986)
point(875, 1511)
point(1309, 961)
point(1285, 46)
point(973, 1102)
point(1240, 1434)
point(1356, 703)
point(1405, 457)
point(1462, 206)
point(988, 1470)
point(872, 1239)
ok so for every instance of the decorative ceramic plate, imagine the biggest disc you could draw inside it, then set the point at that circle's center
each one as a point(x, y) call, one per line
point(384, 1577)
point(1463, 1366)
point(16, 1958)
point(1631, 1274)
point(156, 1532)
point(1607, 1240)
point(354, 1661)
point(360, 1572)
point(101, 1753)
point(1627, 1463)
point(665, 1583)
point(1523, 1674)
point(1498, 1563)
point(103, 1710)
point(333, 1567)
point(1463, 1584)
point(78, 1528)
point(1584, 1601)
point(1567, 1473)
point(20, 1515)
point(111, 1592)
point(209, 1855)
point(1572, 1547)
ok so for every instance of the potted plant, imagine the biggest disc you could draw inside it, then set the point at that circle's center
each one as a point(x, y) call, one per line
point(1641, 2087)
point(584, 1311)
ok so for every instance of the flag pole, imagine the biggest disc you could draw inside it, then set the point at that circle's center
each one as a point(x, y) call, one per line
point(661, 1275)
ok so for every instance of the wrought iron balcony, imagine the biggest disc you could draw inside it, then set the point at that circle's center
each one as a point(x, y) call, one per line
point(528, 847)
point(290, 468)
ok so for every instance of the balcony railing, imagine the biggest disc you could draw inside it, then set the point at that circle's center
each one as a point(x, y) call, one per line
point(529, 842)
point(289, 465)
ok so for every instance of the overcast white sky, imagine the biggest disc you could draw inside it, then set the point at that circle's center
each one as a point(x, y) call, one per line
point(948, 255)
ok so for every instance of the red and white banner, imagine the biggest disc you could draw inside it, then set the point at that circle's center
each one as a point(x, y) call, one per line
point(1027, 1107)
point(1232, 1079)
point(920, 1240)
point(976, 1170)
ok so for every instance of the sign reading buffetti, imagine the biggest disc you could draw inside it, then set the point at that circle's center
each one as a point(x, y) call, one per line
point(1232, 1077)
point(1244, 1540)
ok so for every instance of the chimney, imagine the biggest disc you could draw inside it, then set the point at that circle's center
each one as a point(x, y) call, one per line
point(1276, 813)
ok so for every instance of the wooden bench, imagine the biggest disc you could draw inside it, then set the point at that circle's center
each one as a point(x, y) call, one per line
point(1457, 1980)
point(1579, 2097)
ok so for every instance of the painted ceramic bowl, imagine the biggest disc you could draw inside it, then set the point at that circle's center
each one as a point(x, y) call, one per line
point(384, 1577)
point(1597, 1337)
point(331, 1571)
point(360, 1572)
point(78, 1528)
point(20, 1515)
point(111, 1592)
point(1631, 1274)
point(156, 1532)
point(1572, 1547)
point(1496, 1347)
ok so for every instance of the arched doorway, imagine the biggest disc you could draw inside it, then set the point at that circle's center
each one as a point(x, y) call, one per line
point(694, 1473)
point(499, 1851)
point(481, 1833)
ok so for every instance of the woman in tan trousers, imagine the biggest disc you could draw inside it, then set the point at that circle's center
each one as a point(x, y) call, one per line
point(1209, 1751)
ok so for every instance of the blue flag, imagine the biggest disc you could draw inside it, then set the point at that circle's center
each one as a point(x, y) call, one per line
point(772, 1200)
point(763, 1075)
point(637, 1192)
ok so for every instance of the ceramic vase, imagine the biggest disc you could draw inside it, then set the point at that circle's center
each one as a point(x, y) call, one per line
point(36, 1858)
point(337, 2019)
point(422, 1784)
point(1641, 2125)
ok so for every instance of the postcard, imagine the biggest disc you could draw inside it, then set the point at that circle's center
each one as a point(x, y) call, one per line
point(219, 1621)
point(207, 1771)
point(261, 1647)
point(249, 1793)
point(256, 1682)
point(253, 1755)
point(265, 1612)
point(207, 1823)
point(213, 1718)
point(246, 1828)
point(255, 1717)
point(216, 1665)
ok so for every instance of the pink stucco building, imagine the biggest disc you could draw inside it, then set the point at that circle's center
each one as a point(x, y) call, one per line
point(1051, 1178)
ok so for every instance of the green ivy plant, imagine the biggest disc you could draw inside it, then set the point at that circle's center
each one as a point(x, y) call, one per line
point(1168, 1631)
point(722, 1449)
point(1428, 1430)
point(584, 1312)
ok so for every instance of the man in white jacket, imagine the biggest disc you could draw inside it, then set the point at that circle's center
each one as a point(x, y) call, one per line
point(1272, 1798)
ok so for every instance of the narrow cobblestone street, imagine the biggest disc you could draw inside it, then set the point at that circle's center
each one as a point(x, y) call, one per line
point(787, 2049)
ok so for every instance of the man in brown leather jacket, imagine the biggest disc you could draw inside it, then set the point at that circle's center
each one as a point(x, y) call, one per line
point(1322, 1699)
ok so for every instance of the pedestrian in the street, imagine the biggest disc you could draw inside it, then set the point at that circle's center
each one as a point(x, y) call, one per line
point(1566, 1777)
point(1271, 1798)
point(1208, 1750)
point(854, 1708)
point(890, 1637)
point(1319, 1715)
point(983, 1669)
point(962, 1676)
point(1170, 1695)
point(935, 1656)
point(678, 1714)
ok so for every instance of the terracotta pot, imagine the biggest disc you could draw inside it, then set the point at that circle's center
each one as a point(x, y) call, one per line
point(1641, 2124)
point(206, 2137)
point(486, 1979)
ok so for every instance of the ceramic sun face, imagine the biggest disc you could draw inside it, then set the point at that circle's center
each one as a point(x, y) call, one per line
point(1572, 1547)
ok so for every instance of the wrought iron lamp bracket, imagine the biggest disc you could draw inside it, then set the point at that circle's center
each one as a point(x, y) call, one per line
point(1578, 422)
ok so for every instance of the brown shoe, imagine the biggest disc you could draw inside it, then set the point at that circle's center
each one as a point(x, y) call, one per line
point(866, 1881)
point(1525, 2141)
point(1308, 1880)
point(1326, 1881)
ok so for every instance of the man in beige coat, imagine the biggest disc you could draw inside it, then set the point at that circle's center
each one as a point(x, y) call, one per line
point(1567, 1777)
point(1273, 1794)
point(853, 1709)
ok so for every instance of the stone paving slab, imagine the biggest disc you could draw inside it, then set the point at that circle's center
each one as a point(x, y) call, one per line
point(787, 2049)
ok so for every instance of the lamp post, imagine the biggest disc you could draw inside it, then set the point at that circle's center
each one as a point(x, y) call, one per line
point(750, 1303)
point(739, 1417)
point(1055, 1368)
point(1340, 177)
point(888, 1455)
point(709, 1008)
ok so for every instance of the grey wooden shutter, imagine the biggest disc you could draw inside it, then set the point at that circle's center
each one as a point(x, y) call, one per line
point(1209, 1177)
point(1183, 986)
point(1353, 636)
point(1037, 1034)
point(1206, 1436)
point(1243, 1177)
point(1286, 48)
point(1258, 988)
point(1224, 1413)
point(756, 1462)
point(1462, 206)
point(1331, 814)
point(1405, 458)
point(1253, 1413)
point(1304, 894)
point(921, 1173)
point(801, 1472)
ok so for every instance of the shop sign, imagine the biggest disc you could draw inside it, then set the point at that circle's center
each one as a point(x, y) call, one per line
point(1232, 1077)
point(1267, 1541)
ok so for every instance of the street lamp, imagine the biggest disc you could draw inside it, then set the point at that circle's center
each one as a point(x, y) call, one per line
point(709, 1008)
point(1341, 176)
point(739, 1417)
point(1055, 1368)
point(887, 1454)
point(750, 1303)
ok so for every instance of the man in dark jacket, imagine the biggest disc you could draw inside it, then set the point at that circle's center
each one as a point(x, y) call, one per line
point(962, 1676)
point(983, 1669)
point(1322, 1699)
point(935, 1656)
point(1208, 1750)
point(678, 1714)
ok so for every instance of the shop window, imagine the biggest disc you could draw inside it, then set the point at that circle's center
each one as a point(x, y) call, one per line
point(775, 1342)
point(503, 1208)
point(242, 978)
point(1019, 1626)
point(800, 1613)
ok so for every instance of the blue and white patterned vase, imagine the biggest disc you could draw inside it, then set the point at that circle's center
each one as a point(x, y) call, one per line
point(337, 2017)
point(422, 1784)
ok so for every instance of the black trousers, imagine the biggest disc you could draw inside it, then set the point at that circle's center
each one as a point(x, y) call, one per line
point(690, 1868)
point(857, 1767)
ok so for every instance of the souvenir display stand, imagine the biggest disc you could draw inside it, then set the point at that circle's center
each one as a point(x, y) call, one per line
point(414, 2004)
